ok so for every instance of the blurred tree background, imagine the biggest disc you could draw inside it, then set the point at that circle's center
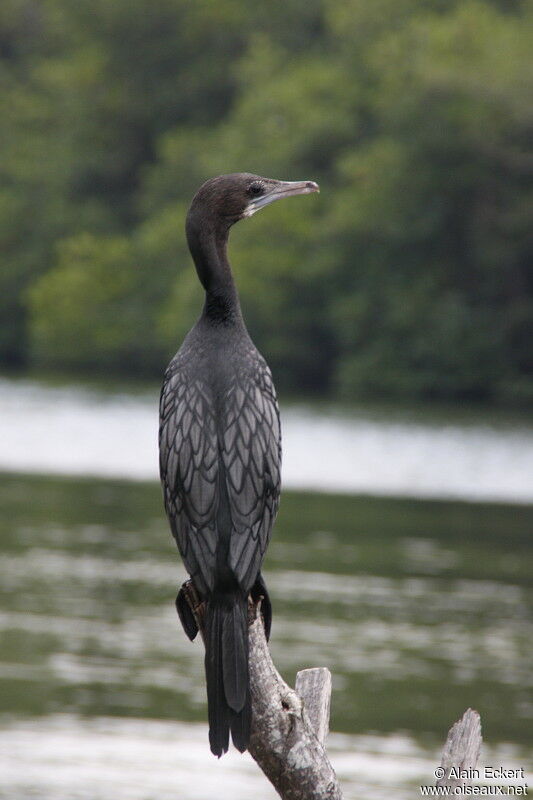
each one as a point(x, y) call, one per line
point(410, 276)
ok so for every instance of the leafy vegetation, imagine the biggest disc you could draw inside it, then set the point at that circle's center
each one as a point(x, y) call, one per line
point(409, 276)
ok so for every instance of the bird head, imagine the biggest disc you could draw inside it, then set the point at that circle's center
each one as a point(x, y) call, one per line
point(228, 198)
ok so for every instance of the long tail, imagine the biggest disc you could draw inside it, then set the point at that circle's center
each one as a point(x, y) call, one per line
point(226, 670)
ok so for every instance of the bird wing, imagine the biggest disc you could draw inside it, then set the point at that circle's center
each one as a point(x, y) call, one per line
point(188, 462)
point(208, 457)
point(251, 456)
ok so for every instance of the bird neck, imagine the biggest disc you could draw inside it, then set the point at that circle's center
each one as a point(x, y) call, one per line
point(208, 245)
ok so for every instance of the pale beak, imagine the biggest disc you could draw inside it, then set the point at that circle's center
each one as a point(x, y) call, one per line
point(279, 190)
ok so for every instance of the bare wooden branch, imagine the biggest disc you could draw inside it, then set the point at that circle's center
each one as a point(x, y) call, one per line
point(289, 727)
point(314, 688)
point(288, 733)
point(461, 751)
point(283, 741)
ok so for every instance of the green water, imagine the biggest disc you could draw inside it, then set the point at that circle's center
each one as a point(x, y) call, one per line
point(420, 609)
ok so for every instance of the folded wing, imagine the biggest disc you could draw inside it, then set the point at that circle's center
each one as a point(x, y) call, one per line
point(208, 453)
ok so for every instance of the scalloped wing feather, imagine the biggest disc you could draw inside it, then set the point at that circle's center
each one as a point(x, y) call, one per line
point(243, 437)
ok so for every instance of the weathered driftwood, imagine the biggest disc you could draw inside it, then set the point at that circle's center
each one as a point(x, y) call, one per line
point(288, 728)
point(461, 751)
point(313, 686)
point(288, 732)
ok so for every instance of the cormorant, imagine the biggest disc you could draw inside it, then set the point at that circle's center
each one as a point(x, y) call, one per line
point(220, 453)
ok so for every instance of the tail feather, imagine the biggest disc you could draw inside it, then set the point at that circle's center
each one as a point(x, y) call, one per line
point(240, 724)
point(226, 666)
point(235, 656)
point(218, 711)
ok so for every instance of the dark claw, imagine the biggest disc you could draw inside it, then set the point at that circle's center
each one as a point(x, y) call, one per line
point(186, 616)
point(259, 592)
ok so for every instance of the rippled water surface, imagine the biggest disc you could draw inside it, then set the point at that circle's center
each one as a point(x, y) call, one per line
point(74, 430)
point(419, 608)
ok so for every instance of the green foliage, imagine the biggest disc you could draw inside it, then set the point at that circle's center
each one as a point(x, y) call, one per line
point(103, 278)
point(411, 275)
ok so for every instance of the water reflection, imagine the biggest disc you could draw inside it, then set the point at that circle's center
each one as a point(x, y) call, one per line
point(74, 430)
point(406, 602)
point(419, 608)
point(104, 758)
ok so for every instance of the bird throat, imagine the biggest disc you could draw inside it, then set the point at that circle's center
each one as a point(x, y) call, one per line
point(209, 251)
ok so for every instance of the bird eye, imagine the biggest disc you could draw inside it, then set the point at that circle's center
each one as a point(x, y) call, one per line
point(255, 189)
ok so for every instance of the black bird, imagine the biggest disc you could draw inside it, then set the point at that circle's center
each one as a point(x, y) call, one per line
point(220, 453)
